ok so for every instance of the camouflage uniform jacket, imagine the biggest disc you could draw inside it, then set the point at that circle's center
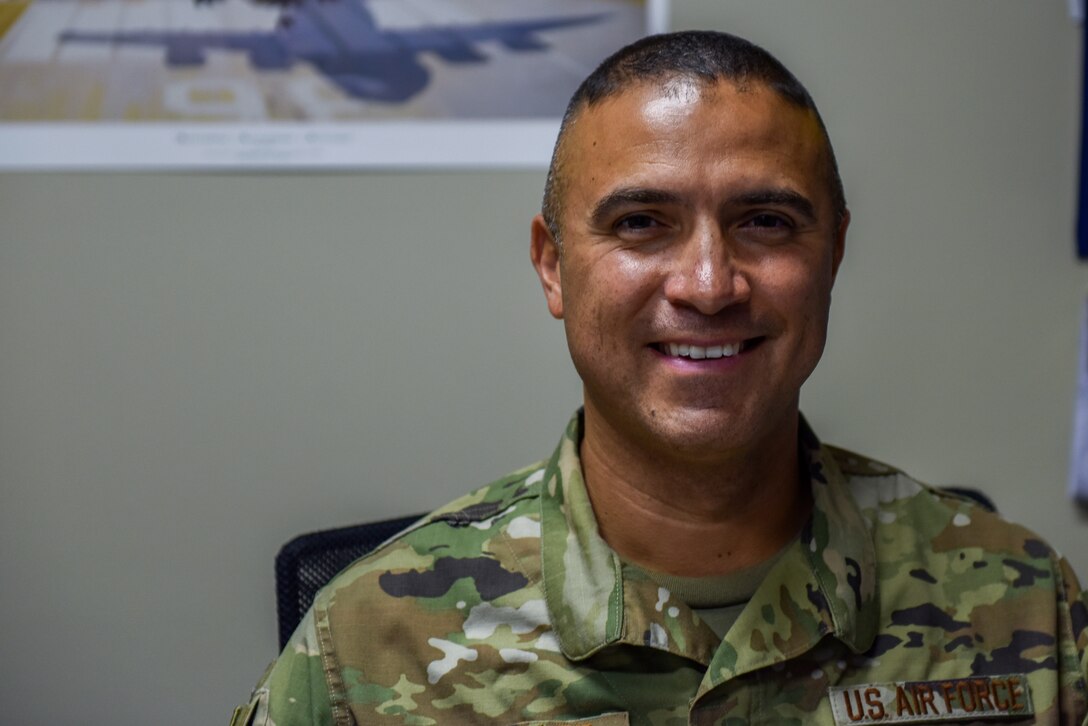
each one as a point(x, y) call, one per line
point(897, 603)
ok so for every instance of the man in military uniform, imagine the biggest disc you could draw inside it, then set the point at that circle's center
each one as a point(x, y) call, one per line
point(691, 553)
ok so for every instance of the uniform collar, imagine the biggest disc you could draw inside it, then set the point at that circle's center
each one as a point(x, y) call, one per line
point(824, 584)
point(583, 586)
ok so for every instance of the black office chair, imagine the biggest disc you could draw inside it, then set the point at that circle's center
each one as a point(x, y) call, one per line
point(973, 494)
point(307, 562)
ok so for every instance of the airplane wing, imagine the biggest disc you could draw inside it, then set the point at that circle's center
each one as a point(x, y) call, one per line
point(456, 43)
point(265, 50)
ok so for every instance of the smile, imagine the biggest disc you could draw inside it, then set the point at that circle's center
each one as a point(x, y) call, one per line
point(700, 352)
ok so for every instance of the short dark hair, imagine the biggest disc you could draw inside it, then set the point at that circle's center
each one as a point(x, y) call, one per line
point(703, 55)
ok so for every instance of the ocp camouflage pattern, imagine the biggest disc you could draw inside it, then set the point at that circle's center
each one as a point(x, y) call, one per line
point(507, 607)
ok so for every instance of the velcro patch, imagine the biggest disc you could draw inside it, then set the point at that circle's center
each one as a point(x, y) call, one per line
point(956, 699)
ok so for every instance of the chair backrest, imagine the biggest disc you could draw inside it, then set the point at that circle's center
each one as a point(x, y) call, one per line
point(307, 562)
point(975, 495)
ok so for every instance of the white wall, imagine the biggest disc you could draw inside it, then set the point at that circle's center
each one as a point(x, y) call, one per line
point(194, 368)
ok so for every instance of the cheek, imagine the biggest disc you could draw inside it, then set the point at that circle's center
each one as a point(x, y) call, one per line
point(612, 287)
point(800, 293)
point(587, 303)
point(606, 303)
point(629, 281)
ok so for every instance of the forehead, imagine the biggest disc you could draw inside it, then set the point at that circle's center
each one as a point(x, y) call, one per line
point(695, 134)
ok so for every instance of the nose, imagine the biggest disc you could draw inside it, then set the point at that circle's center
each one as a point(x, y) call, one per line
point(706, 274)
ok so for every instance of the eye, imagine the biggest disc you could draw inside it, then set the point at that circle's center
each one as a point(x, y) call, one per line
point(769, 221)
point(636, 223)
point(639, 228)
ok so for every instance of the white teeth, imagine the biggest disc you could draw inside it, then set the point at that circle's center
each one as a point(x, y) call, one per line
point(699, 352)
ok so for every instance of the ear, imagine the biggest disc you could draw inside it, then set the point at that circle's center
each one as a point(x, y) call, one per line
point(544, 252)
point(840, 243)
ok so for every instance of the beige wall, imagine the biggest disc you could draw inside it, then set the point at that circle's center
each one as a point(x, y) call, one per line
point(194, 368)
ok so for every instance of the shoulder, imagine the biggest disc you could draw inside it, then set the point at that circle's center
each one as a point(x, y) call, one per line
point(469, 537)
point(407, 600)
point(407, 612)
point(950, 544)
point(947, 519)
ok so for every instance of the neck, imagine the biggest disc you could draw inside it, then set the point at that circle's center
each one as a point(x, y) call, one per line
point(694, 518)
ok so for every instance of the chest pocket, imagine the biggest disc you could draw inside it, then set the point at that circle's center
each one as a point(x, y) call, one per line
point(605, 719)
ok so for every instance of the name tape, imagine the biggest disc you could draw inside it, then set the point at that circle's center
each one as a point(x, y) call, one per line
point(955, 699)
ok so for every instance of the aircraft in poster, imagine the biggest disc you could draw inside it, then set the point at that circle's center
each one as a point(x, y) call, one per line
point(343, 42)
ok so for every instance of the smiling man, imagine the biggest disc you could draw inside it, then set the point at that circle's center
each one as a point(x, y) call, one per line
point(691, 553)
point(692, 263)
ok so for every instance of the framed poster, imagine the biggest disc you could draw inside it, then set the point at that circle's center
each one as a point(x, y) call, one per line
point(206, 84)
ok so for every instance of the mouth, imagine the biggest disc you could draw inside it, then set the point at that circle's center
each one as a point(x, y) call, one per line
point(705, 352)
